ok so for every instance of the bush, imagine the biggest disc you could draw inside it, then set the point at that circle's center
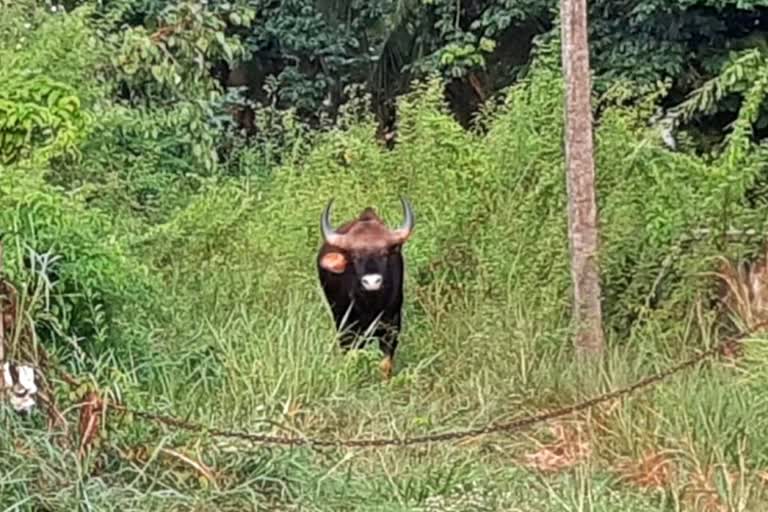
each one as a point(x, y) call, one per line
point(96, 288)
point(92, 289)
point(490, 208)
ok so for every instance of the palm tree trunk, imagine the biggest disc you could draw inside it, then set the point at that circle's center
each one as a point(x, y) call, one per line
point(580, 175)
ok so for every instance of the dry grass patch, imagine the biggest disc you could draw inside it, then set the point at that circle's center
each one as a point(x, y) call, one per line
point(700, 493)
point(654, 470)
point(744, 289)
point(571, 446)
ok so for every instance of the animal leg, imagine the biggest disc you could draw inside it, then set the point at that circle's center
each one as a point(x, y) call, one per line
point(387, 367)
point(388, 339)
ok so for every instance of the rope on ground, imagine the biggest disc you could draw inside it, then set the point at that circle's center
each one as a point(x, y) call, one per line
point(728, 347)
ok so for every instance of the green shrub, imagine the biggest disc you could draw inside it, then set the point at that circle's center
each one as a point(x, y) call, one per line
point(46, 82)
point(63, 47)
point(490, 208)
point(38, 115)
point(92, 291)
point(96, 290)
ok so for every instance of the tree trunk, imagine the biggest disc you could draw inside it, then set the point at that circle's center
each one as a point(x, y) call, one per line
point(580, 175)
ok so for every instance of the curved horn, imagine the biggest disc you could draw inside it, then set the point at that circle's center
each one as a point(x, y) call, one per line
point(325, 221)
point(402, 233)
point(329, 234)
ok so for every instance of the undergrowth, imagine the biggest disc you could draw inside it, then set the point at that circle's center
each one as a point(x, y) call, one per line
point(207, 307)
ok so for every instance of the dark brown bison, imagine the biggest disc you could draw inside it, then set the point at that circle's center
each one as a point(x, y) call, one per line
point(361, 272)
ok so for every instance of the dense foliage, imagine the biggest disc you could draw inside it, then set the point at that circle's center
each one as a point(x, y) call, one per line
point(306, 54)
point(166, 259)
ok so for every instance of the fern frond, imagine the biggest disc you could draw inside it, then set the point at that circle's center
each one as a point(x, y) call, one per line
point(737, 76)
point(739, 139)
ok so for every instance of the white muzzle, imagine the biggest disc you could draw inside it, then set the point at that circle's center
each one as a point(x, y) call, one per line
point(371, 282)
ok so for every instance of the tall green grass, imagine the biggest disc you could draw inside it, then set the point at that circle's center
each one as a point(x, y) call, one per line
point(241, 337)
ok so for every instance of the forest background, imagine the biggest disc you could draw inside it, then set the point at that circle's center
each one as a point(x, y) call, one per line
point(162, 170)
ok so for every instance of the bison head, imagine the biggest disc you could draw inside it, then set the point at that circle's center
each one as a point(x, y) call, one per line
point(365, 247)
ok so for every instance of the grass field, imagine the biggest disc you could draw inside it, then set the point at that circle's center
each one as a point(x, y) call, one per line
point(238, 337)
point(691, 443)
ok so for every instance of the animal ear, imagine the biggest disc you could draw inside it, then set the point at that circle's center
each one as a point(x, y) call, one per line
point(334, 262)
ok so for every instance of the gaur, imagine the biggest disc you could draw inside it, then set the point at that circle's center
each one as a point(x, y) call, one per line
point(360, 266)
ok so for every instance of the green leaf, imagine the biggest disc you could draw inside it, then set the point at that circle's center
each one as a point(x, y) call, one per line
point(157, 72)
